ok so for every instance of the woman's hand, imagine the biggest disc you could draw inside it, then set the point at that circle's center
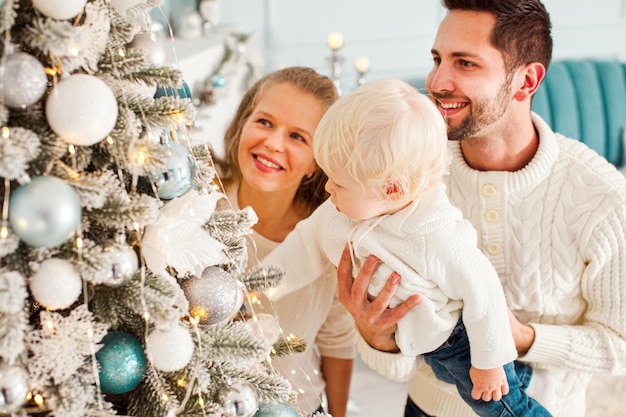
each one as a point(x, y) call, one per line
point(376, 322)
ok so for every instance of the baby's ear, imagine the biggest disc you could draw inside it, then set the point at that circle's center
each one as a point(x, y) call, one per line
point(395, 190)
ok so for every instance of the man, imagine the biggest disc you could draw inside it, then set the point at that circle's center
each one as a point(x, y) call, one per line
point(550, 214)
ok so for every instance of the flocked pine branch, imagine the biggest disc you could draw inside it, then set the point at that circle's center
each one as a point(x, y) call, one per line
point(288, 346)
point(62, 39)
point(8, 13)
point(260, 278)
point(129, 302)
point(13, 318)
point(16, 155)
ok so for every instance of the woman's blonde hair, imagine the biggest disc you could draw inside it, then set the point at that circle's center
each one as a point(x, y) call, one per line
point(311, 192)
point(385, 133)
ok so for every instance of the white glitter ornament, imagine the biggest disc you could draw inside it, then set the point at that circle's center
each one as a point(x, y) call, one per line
point(13, 388)
point(82, 109)
point(56, 284)
point(169, 349)
point(214, 297)
point(60, 9)
point(25, 80)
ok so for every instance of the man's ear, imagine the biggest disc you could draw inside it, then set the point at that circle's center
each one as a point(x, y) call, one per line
point(394, 190)
point(533, 74)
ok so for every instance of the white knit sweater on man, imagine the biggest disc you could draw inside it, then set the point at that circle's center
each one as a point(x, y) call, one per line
point(434, 250)
point(556, 233)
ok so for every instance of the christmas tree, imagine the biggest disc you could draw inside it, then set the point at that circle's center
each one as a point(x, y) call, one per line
point(120, 283)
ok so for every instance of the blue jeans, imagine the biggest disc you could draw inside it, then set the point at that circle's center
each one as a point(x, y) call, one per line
point(451, 363)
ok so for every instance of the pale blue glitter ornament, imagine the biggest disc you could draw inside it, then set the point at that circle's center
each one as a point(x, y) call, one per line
point(177, 179)
point(44, 212)
point(122, 363)
point(275, 410)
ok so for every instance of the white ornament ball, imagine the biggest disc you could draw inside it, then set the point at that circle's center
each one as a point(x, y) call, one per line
point(82, 109)
point(60, 9)
point(56, 284)
point(25, 80)
point(170, 349)
point(153, 49)
point(13, 388)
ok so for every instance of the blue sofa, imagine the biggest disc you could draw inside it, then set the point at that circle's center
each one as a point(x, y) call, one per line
point(586, 100)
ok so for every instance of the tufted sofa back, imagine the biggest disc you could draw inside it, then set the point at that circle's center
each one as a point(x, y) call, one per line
point(586, 100)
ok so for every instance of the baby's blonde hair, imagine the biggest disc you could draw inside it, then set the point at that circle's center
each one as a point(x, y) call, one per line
point(385, 133)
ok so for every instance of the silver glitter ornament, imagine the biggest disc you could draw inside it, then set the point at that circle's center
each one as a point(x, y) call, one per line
point(13, 388)
point(238, 399)
point(214, 297)
point(25, 80)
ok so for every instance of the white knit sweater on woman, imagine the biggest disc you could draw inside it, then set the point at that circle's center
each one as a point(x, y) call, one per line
point(556, 233)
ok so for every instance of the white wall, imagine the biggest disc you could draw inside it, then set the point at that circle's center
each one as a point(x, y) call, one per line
point(396, 35)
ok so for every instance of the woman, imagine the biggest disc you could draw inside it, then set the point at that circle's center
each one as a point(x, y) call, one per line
point(269, 165)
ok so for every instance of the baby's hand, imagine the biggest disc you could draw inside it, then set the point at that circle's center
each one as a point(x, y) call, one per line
point(489, 384)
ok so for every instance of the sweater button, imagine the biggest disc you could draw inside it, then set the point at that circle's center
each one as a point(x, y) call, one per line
point(492, 216)
point(493, 248)
point(489, 190)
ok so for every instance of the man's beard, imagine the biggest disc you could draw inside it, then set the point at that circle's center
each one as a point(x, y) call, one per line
point(484, 111)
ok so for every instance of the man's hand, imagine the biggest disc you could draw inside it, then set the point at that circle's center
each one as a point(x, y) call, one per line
point(489, 384)
point(523, 335)
point(376, 322)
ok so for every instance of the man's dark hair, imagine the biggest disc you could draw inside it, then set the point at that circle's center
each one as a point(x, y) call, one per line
point(522, 31)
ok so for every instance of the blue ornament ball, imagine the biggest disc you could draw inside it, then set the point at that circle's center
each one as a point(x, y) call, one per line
point(183, 92)
point(122, 363)
point(177, 179)
point(44, 212)
point(275, 410)
point(218, 80)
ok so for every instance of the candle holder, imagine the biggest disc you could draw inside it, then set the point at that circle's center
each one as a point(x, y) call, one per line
point(336, 61)
point(335, 42)
point(362, 66)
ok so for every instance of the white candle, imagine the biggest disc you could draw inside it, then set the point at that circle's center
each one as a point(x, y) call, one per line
point(335, 40)
point(362, 64)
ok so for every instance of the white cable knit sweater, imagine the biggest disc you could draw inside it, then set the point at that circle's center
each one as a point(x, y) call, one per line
point(434, 250)
point(556, 233)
